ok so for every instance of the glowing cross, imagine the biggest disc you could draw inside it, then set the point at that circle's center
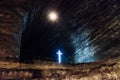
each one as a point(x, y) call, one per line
point(59, 56)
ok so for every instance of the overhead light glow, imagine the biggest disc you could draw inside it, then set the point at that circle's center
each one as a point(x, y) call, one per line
point(53, 16)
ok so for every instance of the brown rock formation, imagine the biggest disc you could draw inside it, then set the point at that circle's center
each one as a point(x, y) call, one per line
point(44, 70)
point(10, 29)
point(11, 15)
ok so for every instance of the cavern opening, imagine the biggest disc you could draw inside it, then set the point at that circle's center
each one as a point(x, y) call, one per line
point(86, 31)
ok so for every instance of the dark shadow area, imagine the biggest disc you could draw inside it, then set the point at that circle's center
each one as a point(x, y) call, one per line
point(86, 31)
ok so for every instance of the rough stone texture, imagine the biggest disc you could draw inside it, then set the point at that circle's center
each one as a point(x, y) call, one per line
point(11, 16)
point(95, 26)
point(104, 70)
point(10, 29)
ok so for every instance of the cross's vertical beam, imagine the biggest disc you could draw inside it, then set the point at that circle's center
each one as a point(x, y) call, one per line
point(59, 56)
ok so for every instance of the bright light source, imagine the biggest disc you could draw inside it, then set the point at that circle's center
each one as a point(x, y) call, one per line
point(53, 16)
point(59, 56)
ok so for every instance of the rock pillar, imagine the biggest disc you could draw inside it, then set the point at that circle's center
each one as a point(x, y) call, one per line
point(11, 15)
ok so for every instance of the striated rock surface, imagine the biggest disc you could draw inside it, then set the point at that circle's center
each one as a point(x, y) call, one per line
point(95, 28)
point(104, 33)
point(44, 70)
point(11, 15)
point(10, 29)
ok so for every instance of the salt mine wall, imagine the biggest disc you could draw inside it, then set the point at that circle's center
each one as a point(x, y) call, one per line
point(100, 18)
point(10, 28)
point(11, 20)
point(11, 15)
point(44, 70)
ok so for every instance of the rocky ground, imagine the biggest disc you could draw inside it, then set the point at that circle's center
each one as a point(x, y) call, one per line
point(44, 70)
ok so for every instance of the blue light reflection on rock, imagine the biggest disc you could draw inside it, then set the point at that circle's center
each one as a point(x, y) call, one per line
point(84, 51)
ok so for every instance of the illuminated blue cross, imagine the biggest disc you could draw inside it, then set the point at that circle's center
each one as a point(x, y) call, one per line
point(59, 56)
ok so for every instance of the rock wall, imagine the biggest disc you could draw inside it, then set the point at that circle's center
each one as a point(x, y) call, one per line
point(10, 28)
point(105, 70)
point(11, 16)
